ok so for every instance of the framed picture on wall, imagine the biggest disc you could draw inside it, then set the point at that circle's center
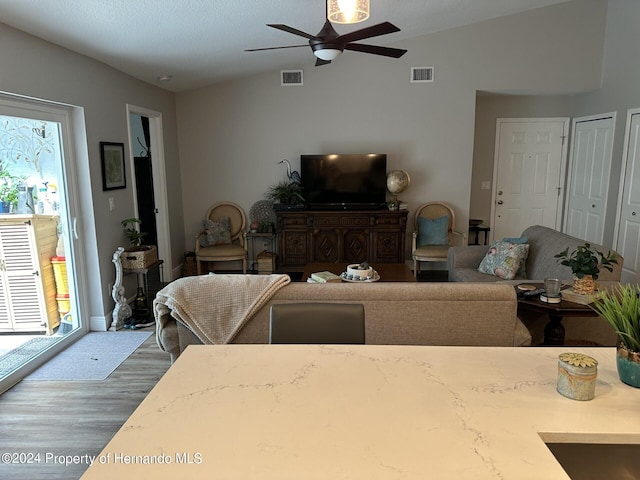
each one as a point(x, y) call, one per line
point(113, 173)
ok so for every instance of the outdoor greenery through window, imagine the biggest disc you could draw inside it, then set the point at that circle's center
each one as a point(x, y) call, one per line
point(28, 150)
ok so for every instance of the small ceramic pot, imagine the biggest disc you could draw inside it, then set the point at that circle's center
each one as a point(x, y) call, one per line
point(577, 376)
point(628, 364)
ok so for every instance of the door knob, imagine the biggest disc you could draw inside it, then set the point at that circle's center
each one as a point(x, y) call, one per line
point(499, 202)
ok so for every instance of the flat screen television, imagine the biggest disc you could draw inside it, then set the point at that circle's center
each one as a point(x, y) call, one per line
point(344, 181)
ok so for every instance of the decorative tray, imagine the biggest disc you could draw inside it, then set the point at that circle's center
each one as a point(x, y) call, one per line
point(375, 278)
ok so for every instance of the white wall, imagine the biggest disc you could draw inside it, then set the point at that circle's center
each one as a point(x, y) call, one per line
point(32, 67)
point(232, 135)
point(620, 89)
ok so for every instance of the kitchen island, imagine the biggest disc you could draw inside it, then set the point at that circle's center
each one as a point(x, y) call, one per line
point(366, 412)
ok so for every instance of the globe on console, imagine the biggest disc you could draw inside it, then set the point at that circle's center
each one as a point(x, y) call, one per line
point(397, 181)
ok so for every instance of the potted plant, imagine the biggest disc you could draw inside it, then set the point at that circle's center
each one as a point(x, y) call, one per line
point(585, 263)
point(137, 256)
point(286, 195)
point(620, 307)
point(8, 189)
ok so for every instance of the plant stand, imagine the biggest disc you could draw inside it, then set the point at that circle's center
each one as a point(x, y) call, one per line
point(122, 310)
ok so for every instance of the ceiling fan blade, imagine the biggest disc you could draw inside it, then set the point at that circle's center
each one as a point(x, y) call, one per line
point(375, 49)
point(320, 62)
point(288, 29)
point(275, 48)
point(373, 31)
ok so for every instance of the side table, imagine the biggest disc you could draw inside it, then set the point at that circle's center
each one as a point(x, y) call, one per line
point(477, 229)
point(267, 239)
point(122, 310)
point(554, 331)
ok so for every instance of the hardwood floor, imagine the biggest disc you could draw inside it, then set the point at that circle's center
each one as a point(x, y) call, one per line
point(72, 418)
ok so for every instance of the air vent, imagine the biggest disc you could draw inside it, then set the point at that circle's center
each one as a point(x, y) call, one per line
point(421, 74)
point(290, 77)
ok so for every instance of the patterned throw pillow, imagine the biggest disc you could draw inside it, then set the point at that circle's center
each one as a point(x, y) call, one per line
point(433, 231)
point(504, 259)
point(216, 232)
point(522, 272)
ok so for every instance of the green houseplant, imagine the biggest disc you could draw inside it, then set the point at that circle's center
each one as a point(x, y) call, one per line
point(585, 263)
point(131, 230)
point(8, 188)
point(285, 195)
point(620, 307)
point(137, 256)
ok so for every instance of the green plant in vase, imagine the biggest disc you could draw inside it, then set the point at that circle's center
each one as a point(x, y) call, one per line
point(131, 230)
point(137, 256)
point(585, 263)
point(285, 193)
point(620, 307)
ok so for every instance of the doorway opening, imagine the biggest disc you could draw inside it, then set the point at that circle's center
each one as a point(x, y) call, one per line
point(149, 183)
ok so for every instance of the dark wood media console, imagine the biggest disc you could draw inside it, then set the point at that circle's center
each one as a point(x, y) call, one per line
point(340, 236)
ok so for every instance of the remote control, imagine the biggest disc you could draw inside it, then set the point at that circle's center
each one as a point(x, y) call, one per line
point(532, 293)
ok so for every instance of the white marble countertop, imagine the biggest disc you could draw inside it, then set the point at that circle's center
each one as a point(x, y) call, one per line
point(365, 412)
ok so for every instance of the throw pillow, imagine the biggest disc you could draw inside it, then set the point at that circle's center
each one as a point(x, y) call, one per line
point(433, 231)
point(522, 272)
point(216, 232)
point(515, 239)
point(504, 259)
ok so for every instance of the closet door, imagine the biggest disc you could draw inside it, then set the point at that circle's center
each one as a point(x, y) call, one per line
point(627, 232)
point(589, 169)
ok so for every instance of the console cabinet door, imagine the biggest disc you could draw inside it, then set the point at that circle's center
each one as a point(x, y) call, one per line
point(356, 246)
point(294, 248)
point(338, 245)
point(327, 246)
point(387, 245)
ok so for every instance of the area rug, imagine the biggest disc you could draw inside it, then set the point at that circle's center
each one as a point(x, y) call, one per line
point(93, 357)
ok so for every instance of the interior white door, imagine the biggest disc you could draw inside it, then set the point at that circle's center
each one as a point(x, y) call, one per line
point(528, 174)
point(589, 171)
point(627, 232)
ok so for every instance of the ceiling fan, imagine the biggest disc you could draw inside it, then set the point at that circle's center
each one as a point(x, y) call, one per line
point(327, 44)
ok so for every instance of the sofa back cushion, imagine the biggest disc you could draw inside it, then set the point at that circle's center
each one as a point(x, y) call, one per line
point(406, 313)
point(546, 242)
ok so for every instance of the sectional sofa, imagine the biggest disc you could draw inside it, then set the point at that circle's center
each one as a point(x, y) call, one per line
point(395, 313)
point(544, 243)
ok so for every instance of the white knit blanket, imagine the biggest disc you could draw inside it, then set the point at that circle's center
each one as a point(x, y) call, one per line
point(214, 307)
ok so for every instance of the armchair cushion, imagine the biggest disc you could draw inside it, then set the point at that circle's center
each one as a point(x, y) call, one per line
point(216, 232)
point(504, 259)
point(433, 231)
point(221, 251)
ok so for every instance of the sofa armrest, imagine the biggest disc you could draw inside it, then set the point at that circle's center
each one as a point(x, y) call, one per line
point(466, 257)
point(461, 238)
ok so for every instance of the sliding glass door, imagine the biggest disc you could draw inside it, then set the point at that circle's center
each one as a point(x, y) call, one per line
point(40, 258)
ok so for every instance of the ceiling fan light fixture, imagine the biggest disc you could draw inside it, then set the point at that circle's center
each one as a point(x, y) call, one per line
point(347, 11)
point(327, 54)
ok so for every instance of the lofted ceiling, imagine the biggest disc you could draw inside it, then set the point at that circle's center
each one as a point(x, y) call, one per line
point(201, 42)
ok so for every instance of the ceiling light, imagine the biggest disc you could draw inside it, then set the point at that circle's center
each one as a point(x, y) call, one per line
point(327, 53)
point(164, 78)
point(347, 11)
